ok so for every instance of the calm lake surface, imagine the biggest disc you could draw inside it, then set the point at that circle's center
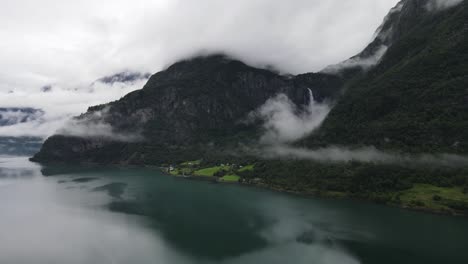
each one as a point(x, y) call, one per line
point(128, 215)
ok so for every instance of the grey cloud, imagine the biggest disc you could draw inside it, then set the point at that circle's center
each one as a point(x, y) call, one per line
point(93, 126)
point(436, 5)
point(364, 154)
point(284, 122)
point(61, 104)
point(365, 63)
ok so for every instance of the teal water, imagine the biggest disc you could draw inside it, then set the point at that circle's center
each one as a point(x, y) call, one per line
point(134, 215)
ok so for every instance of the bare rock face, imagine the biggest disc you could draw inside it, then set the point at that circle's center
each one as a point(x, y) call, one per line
point(193, 104)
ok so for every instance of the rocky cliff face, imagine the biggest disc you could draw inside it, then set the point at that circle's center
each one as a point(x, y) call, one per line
point(192, 105)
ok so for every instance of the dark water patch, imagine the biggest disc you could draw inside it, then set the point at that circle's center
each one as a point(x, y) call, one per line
point(115, 189)
point(381, 253)
point(125, 207)
point(308, 237)
point(84, 179)
point(15, 173)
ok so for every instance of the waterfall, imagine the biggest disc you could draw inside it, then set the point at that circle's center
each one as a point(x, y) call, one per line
point(311, 97)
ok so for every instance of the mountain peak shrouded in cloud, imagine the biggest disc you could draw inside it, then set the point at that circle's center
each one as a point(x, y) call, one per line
point(73, 45)
point(303, 36)
point(399, 21)
point(77, 43)
point(199, 101)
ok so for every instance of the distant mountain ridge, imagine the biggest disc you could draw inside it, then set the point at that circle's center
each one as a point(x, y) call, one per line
point(19, 146)
point(124, 77)
point(15, 115)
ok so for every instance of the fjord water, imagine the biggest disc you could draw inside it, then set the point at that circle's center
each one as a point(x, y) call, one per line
point(94, 215)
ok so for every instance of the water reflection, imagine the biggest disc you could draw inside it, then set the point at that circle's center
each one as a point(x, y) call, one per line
point(41, 222)
point(93, 215)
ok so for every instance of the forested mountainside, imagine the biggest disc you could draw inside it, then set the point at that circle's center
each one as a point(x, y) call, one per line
point(416, 98)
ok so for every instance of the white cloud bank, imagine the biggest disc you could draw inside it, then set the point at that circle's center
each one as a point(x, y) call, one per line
point(60, 105)
point(284, 122)
point(93, 125)
point(365, 154)
point(364, 63)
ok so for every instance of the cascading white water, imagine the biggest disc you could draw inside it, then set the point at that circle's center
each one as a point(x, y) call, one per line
point(311, 98)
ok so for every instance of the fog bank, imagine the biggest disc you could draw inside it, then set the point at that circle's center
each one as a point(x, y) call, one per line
point(363, 154)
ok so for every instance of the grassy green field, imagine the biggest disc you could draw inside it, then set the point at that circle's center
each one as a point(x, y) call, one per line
point(433, 197)
point(181, 171)
point(209, 172)
point(230, 178)
point(247, 168)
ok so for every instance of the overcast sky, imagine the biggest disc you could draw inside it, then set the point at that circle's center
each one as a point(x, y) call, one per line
point(69, 44)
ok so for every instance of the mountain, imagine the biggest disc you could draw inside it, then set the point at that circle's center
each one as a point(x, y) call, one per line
point(182, 112)
point(416, 98)
point(406, 92)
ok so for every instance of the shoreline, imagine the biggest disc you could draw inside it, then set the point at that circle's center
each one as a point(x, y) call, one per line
point(279, 189)
point(318, 194)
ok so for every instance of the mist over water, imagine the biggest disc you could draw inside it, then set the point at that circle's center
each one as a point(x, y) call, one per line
point(64, 214)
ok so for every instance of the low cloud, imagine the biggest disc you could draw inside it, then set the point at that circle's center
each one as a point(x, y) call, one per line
point(93, 125)
point(59, 106)
point(363, 62)
point(365, 154)
point(437, 5)
point(371, 56)
point(284, 122)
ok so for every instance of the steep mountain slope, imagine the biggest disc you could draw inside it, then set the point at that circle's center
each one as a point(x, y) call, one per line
point(416, 98)
point(182, 111)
